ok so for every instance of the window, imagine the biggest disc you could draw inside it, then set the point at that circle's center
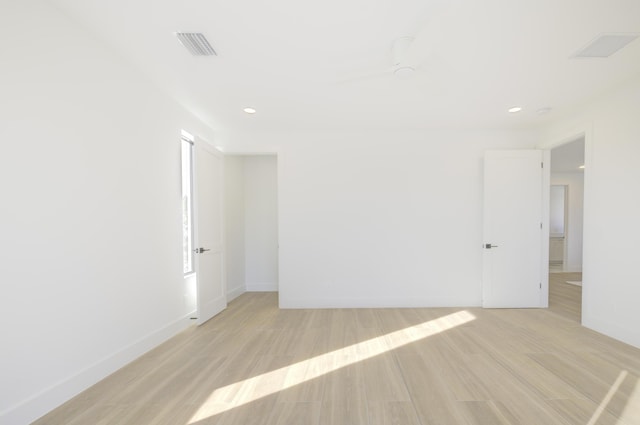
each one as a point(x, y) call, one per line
point(187, 202)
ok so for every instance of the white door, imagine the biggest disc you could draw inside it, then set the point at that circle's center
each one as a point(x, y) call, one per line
point(514, 235)
point(211, 288)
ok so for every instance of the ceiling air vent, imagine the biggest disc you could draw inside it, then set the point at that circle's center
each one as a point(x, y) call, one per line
point(605, 45)
point(196, 43)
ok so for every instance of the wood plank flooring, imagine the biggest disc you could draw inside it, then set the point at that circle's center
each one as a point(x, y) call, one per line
point(256, 364)
point(565, 299)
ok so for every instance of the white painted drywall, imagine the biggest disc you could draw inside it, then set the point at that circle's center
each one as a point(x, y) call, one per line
point(261, 222)
point(556, 210)
point(381, 219)
point(573, 228)
point(234, 217)
point(611, 209)
point(90, 260)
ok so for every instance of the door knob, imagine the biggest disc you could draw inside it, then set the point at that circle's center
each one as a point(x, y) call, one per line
point(489, 246)
point(200, 250)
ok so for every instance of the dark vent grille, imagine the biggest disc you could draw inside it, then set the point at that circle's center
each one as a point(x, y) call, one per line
point(196, 43)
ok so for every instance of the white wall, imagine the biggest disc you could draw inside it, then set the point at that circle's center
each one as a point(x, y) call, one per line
point(611, 209)
point(556, 210)
point(234, 216)
point(381, 219)
point(90, 260)
point(261, 222)
point(573, 228)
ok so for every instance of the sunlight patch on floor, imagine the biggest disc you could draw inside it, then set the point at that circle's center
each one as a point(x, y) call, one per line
point(607, 398)
point(252, 389)
point(631, 411)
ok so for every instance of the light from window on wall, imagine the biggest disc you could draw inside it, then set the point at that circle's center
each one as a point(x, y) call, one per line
point(187, 202)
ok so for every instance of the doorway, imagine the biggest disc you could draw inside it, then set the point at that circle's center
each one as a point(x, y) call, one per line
point(251, 223)
point(565, 225)
point(514, 240)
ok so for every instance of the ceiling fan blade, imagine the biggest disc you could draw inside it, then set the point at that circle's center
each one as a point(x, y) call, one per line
point(430, 36)
point(411, 53)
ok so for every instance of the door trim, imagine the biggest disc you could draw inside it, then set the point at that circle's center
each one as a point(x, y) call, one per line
point(546, 199)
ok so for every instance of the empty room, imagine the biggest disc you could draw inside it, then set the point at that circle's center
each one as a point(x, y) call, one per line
point(344, 212)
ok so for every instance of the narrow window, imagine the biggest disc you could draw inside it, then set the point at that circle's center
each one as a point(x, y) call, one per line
point(187, 202)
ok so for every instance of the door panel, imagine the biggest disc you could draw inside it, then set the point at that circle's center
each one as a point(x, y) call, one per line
point(513, 218)
point(211, 285)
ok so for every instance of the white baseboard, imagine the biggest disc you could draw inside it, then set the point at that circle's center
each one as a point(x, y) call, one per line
point(626, 333)
point(235, 293)
point(262, 287)
point(48, 399)
point(414, 302)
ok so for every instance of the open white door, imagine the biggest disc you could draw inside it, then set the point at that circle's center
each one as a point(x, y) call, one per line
point(514, 248)
point(211, 288)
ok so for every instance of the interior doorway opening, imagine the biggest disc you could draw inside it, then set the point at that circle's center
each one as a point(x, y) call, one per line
point(565, 228)
point(251, 223)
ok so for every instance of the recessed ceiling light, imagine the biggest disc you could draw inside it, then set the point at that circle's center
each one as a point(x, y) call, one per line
point(249, 110)
point(581, 167)
point(515, 109)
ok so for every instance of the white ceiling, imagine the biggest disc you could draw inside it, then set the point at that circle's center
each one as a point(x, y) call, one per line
point(294, 60)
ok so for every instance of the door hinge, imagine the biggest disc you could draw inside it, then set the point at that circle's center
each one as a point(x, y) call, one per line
point(540, 285)
point(541, 225)
point(542, 165)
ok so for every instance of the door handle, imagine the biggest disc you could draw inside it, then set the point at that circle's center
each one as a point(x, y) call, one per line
point(200, 250)
point(489, 246)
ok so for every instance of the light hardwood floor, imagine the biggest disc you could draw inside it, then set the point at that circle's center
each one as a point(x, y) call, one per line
point(256, 364)
point(565, 299)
